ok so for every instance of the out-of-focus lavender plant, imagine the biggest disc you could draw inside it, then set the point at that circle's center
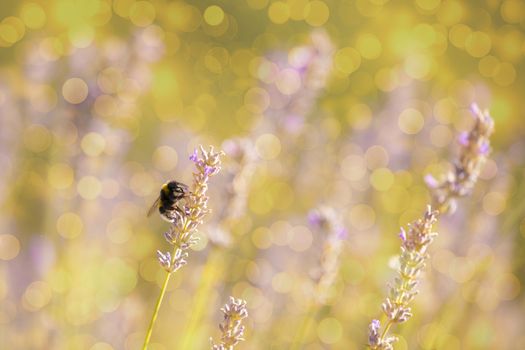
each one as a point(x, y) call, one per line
point(242, 153)
point(330, 223)
point(475, 147)
point(185, 221)
point(231, 326)
point(301, 80)
point(326, 220)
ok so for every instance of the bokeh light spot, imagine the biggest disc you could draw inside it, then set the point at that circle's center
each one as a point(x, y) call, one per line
point(279, 12)
point(316, 13)
point(9, 247)
point(93, 144)
point(213, 15)
point(513, 11)
point(382, 179)
point(369, 46)
point(60, 176)
point(75, 90)
point(256, 100)
point(478, 44)
point(505, 74)
point(347, 60)
point(89, 187)
point(142, 13)
point(33, 15)
point(411, 121)
point(69, 225)
point(37, 295)
point(268, 146)
point(376, 157)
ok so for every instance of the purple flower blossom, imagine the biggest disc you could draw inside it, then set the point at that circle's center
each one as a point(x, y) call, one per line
point(403, 235)
point(194, 156)
point(342, 233)
point(208, 170)
point(474, 109)
point(463, 139)
point(314, 218)
point(484, 148)
point(431, 181)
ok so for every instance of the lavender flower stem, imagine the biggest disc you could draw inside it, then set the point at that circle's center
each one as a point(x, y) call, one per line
point(156, 311)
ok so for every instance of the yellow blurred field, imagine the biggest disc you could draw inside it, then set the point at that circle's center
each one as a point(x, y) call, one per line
point(344, 104)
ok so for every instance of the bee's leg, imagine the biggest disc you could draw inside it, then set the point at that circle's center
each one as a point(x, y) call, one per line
point(180, 210)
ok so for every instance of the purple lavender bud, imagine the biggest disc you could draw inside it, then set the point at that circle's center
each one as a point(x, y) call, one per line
point(463, 139)
point(373, 333)
point(431, 181)
point(314, 218)
point(342, 233)
point(484, 148)
point(194, 157)
point(474, 109)
point(208, 170)
point(403, 235)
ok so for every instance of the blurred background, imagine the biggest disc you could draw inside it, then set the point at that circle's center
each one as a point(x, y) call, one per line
point(346, 104)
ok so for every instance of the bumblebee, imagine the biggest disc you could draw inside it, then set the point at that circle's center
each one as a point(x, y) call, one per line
point(170, 194)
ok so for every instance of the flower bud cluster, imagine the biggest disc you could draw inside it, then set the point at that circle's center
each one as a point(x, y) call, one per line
point(231, 327)
point(184, 222)
point(396, 307)
point(474, 150)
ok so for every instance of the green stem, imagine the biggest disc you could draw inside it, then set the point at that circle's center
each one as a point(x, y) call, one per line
point(385, 332)
point(156, 312)
point(303, 330)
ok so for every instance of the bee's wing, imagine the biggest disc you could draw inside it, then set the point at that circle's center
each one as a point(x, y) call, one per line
point(154, 206)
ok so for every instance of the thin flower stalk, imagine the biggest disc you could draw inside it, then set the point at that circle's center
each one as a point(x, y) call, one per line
point(326, 220)
point(231, 326)
point(185, 221)
point(474, 150)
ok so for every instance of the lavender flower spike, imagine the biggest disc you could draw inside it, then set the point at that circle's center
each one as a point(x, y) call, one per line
point(404, 288)
point(231, 326)
point(474, 150)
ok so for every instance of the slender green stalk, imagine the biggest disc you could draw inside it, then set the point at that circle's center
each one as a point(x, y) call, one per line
point(156, 312)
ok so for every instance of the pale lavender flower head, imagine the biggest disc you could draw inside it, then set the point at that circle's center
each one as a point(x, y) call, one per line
point(342, 233)
point(463, 138)
point(403, 234)
point(315, 218)
point(164, 260)
point(373, 333)
point(431, 181)
point(484, 148)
